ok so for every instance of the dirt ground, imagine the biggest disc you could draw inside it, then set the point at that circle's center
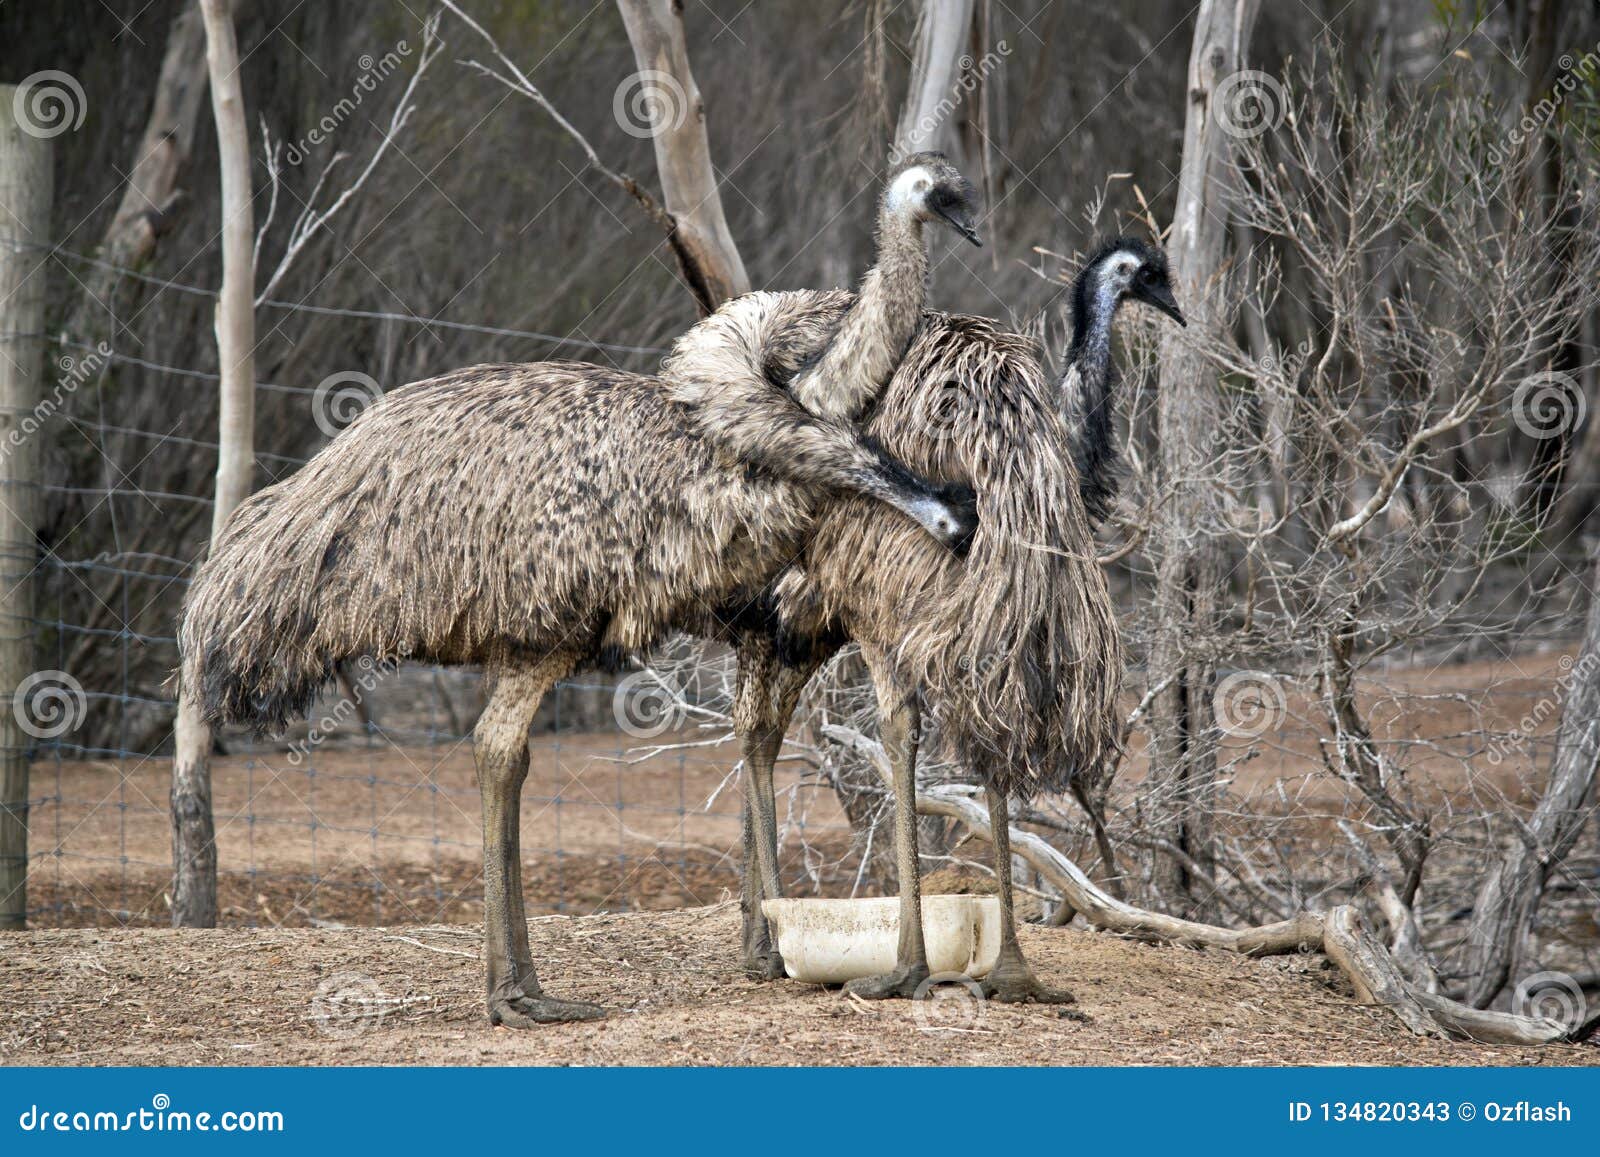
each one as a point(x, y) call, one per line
point(677, 997)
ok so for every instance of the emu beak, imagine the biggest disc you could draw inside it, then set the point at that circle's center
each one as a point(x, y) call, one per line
point(1161, 297)
point(961, 221)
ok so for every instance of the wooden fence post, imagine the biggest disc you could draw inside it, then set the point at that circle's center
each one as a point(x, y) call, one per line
point(25, 180)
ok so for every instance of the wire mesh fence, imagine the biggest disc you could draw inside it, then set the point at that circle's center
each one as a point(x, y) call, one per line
point(368, 812)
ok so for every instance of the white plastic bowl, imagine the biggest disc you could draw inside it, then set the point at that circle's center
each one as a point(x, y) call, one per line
point(832, 941)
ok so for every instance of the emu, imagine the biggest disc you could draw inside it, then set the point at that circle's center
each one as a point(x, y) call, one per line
point(546, 516)
point(1016, 647)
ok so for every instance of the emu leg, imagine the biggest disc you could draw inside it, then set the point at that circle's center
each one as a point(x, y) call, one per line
point(500, 745)
point(767, 693)
point(900, 723)
point(1011, 981)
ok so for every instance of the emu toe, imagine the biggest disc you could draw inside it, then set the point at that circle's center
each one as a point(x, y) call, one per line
point(1024, 988)
point(903, 983)
point(528, 1011)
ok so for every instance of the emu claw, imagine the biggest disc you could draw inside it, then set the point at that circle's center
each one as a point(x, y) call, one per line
point(528, 1011)
point(765, 965)
point(902, 983)
point(1023, 989)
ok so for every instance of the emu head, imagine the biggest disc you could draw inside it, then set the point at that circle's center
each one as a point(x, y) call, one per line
point(927, 187)
point(1128, 269)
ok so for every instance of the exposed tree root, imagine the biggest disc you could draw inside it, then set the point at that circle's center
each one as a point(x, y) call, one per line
point(1339, 933)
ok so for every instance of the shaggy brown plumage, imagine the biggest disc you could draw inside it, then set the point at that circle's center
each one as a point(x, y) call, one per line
point(1015, 648)
point(492, 516)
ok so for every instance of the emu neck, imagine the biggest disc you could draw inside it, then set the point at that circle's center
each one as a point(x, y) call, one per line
point(1087, 386)
point(845, 381)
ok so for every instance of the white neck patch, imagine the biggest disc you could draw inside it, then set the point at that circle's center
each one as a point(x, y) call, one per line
point(908, 190)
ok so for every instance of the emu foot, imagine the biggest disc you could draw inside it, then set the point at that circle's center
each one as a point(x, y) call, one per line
point(523, 1011)
point(764, 963)
point(1022, 988)
point(903, 983)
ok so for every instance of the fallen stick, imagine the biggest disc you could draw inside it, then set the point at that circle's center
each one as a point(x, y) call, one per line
point(1339, 933)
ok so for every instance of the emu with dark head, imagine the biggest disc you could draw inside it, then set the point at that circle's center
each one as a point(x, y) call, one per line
point(1125, 269)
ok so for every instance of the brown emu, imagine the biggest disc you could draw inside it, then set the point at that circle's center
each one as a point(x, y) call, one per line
point(545, 516)
point(1015, 648)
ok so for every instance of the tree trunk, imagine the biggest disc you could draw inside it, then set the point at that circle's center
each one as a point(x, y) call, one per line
point(25, 183)
point(152, 195)
point(1182, 725)
point(194, 852)
point(926, 119)
point(1508, 899)
point(667, 97)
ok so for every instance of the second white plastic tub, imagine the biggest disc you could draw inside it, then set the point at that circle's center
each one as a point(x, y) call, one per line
point(832, 941)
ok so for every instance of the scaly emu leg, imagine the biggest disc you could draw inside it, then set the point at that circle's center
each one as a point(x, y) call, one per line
point(500, 745)
point(900, 722)
point(1011, 981)
point(763, 705)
